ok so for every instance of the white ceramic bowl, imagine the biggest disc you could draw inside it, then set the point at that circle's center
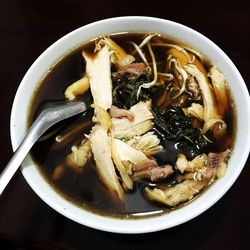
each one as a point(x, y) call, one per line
point(133, 24)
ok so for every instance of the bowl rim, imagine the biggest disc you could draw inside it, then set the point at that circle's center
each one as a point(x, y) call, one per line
point(115, 224)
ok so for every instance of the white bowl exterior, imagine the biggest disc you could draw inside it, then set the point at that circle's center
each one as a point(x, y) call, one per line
point(133, 24)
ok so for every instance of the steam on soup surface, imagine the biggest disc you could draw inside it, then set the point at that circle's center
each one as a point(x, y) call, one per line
point(157, 132)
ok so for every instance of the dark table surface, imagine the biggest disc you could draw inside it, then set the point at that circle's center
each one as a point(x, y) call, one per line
point(27, 28)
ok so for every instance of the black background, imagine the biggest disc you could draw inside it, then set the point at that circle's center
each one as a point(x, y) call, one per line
point(27, 28)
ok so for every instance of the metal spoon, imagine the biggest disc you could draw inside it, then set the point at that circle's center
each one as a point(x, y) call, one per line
point(44, 121)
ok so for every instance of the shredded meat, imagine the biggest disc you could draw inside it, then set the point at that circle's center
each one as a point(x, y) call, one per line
point(191, 184)
point(116, 112)
point(133, 68)
point(208, 172)
point(215, 159)
point(144, 165)
point(153, 173)
point(129, 72)
point(174, 195)
point(141, 124)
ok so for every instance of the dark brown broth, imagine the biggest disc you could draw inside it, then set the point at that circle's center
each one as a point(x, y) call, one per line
point(84, 187)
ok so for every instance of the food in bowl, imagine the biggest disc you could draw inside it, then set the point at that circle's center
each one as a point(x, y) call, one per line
point(159, 129)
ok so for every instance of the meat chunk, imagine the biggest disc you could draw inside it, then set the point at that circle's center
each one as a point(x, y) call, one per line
point(99, 75)
point(153, 173)
point(215, 159)
point(148, 143)
point(116, 112)
point(189, 166)
point(80, 154)
point(141, 124)
point(191, 184)
point(218, 162)
point(100, 145)
point(172, 196)
point(145, 165)
point(211, 116)
point(133, 68)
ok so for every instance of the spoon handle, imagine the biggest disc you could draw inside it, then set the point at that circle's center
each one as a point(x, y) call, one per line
point(44, 121)
point(20, 154)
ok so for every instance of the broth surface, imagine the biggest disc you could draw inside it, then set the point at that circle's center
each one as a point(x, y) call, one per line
point(83, 187)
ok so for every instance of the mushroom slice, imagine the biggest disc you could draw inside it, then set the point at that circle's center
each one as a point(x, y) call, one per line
point(220, 89)
point(218, 126)
point(101, 148)
point(99, 74)
point(141, 123)
point(211, 116)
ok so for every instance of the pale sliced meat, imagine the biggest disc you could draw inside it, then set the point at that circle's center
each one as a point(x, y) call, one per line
point(220, 89)
point(211, 116)
point(148, 143)
point(141, 123)
point(99, 74)
point(121, 167)
point(100, 145)
point(127, 153)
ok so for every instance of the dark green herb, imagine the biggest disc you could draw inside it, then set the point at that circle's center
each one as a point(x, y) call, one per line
point(125, 91)
point(175, 126)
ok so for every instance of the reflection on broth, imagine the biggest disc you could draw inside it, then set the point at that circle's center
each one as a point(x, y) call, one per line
point(158, 131)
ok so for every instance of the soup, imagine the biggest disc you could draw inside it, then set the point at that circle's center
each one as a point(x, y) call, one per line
point(158, 129)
